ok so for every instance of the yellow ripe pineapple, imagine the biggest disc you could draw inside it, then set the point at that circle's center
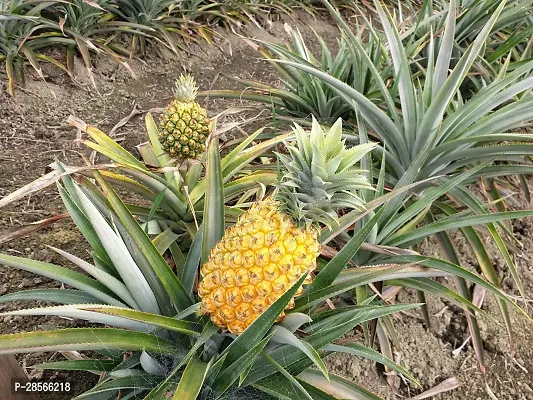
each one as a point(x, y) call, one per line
point(275, 242)
point(184, 126)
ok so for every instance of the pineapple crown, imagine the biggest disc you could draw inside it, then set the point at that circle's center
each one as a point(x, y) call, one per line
point(185, 88)
point(321, 176)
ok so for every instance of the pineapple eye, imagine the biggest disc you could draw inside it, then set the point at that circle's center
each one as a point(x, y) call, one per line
point(256, 275)
point(208, 307)
point(280, 284)
point(233, 297)
point(243, 311)
point(261, 257)
point(218, 297)
point(271, 238)
point(264, 288)
point(227, 261)
point(286, 263)
point(236, 327)
point(244, 242)
point(212, 280)
point(248, 293)
point(228, 278)
point(202, 291)
point(236, 258)
point(299, 255)
point(241, 277)
point(226, 313)
point(249, 258)
point(217, 321)
point(294, 277)
point(271, 272)
point(257, 240)
point(290, 243)
point(276, 252)
point(259, 304)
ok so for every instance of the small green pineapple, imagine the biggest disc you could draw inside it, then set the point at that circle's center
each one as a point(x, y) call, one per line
point(184, 126)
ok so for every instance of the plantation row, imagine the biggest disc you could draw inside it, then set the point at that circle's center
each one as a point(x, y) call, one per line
point(254, 257)
point(82, 27)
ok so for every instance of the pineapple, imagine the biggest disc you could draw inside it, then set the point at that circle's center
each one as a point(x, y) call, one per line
point(184, 126)
point(275, 242)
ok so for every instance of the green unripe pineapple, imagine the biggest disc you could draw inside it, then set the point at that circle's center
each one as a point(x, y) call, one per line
point(184, 126)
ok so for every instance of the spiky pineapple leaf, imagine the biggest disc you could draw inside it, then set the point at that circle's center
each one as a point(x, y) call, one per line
point(174, 324)
point(336, 386)
point(86, 339)
point(166, 285)
point(333, 268)
point(61, 296)
point(64, 275)
point(288, 356)
point(80, 365)
point(213, 224)
point(225, 379)
point(192, 380)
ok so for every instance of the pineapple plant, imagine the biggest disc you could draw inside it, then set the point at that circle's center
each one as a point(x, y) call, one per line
point(174, 197)
point(154, 341)
point(429, 131)
point(275, 242)
point(184, 125)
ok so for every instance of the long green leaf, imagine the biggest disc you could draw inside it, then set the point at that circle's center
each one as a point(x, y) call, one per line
point(192, 380)
point(85, 339)
point(80, 365)
point(213, 224)
point(338, 387)
point(225, 379)
point(168, 288)
point(61, 296)
point(64, 275)
point(287, 375)
point(333, 268)
point(455, 223)
point(185, 327)
point(115, 247)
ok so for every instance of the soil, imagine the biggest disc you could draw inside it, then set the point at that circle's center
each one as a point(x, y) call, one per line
point(33, 132)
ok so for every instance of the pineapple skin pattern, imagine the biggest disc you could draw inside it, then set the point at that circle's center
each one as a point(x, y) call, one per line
point(257, 260)
point(183, 129)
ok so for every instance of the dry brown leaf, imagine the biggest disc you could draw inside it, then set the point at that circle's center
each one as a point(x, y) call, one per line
point(445, 386)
